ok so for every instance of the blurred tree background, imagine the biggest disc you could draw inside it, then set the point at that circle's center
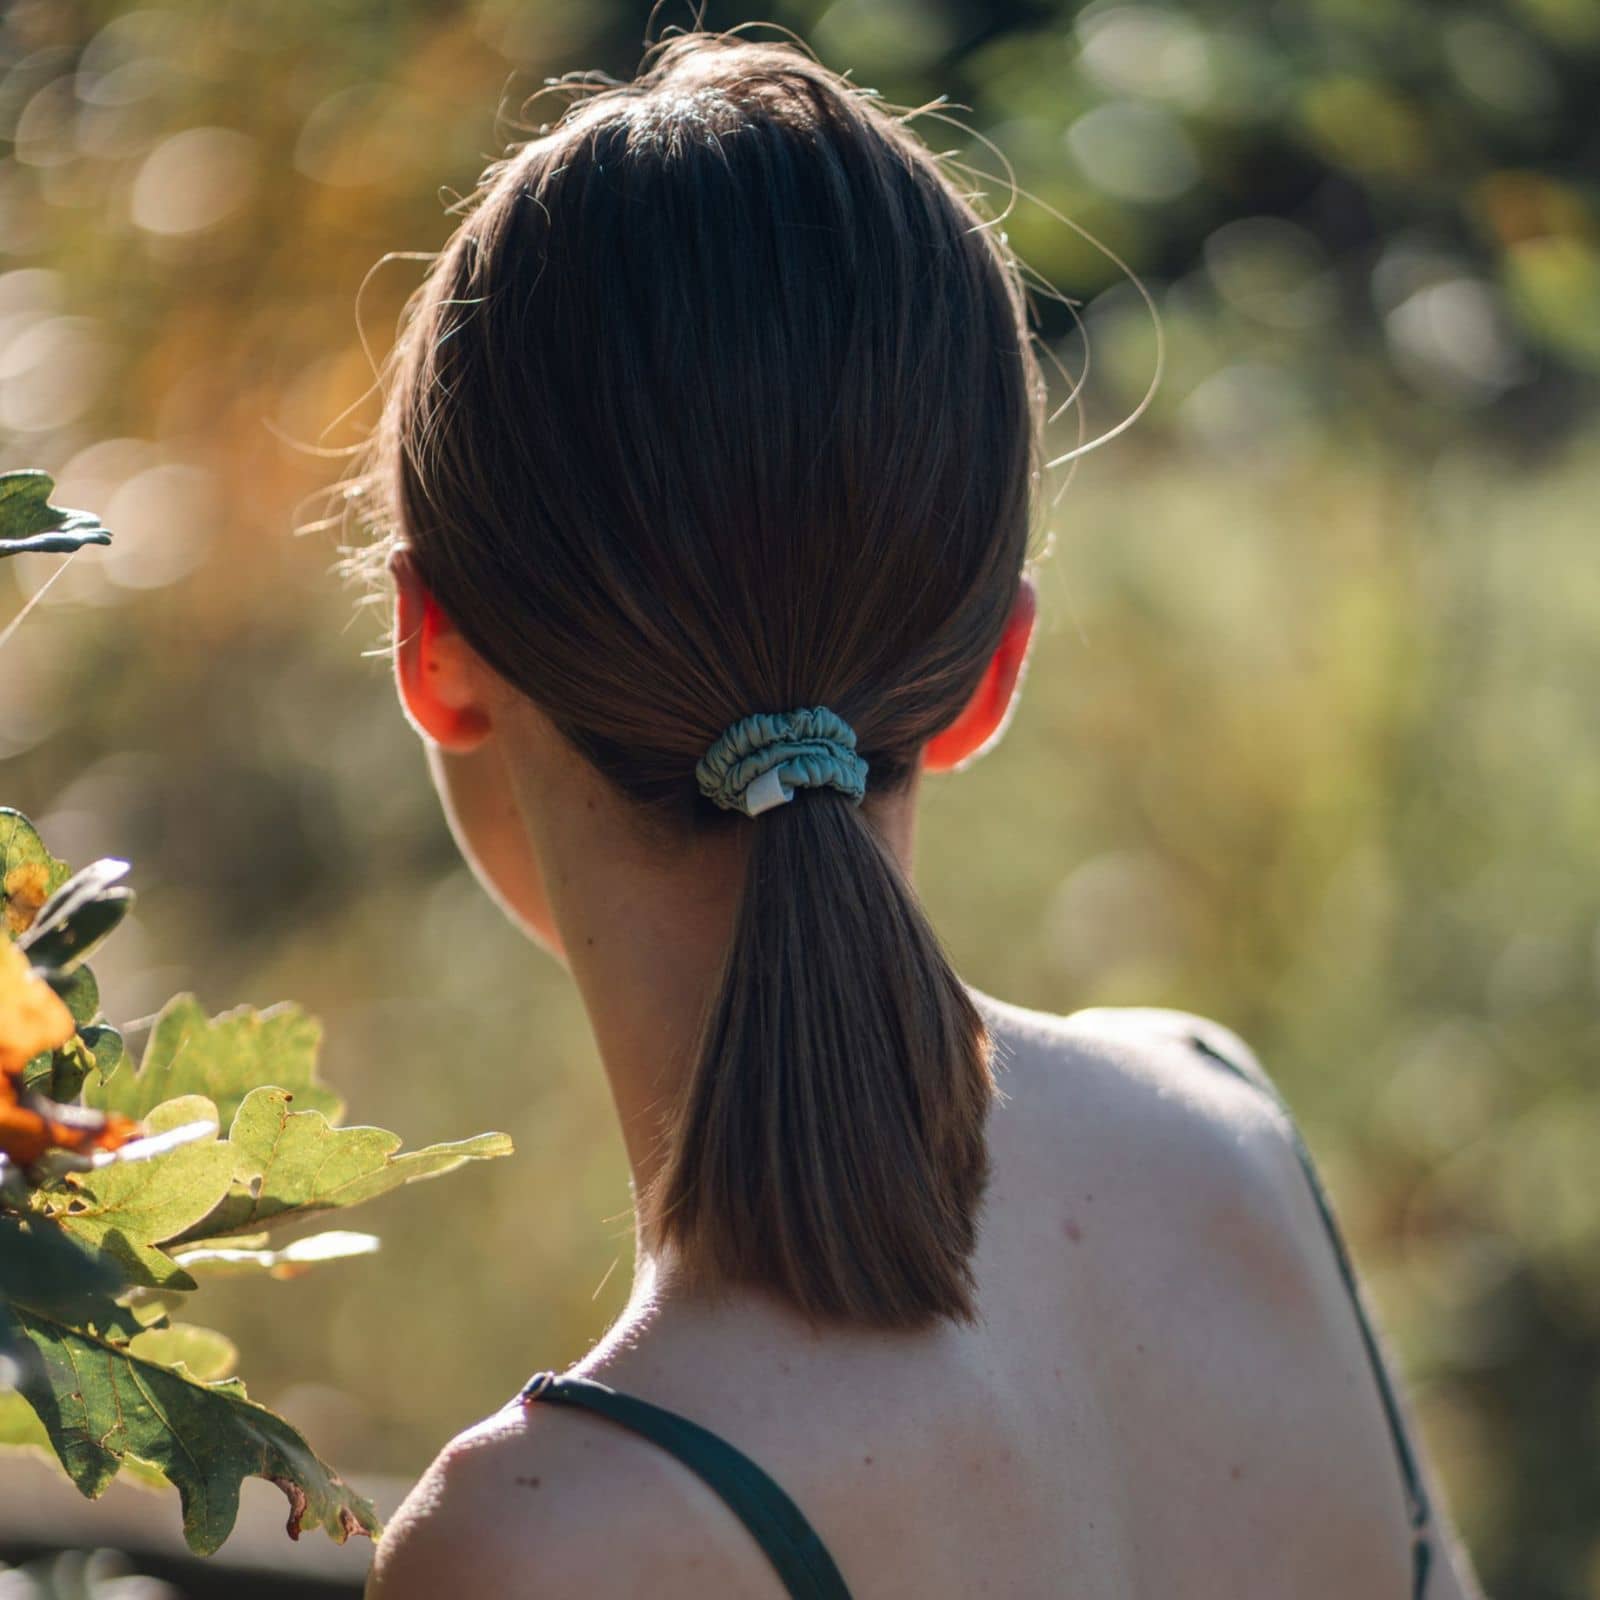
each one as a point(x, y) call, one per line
point(1309, 744)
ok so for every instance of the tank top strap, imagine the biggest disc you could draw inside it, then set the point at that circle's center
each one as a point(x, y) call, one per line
point(775, 1522)
point(1417, 1509)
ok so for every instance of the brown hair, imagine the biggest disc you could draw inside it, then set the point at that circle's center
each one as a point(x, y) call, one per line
point(721, 400)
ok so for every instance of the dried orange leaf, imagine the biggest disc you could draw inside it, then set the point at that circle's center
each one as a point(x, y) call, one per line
point(33, 1017)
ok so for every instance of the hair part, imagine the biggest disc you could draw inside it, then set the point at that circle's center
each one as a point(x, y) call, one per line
point(721, 399)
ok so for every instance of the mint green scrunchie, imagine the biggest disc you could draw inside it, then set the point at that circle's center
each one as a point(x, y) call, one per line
point(760, 761)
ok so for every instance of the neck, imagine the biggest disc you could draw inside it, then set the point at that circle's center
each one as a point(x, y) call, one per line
point(644, 925)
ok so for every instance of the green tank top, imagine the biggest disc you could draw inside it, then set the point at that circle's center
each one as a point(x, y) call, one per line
point(790, 1543)
point(774, 1520)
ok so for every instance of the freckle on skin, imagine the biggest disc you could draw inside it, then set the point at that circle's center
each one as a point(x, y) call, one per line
point(532, 1483)
point(1072, 1230)
point(1236, 1473)
point(866, 1461)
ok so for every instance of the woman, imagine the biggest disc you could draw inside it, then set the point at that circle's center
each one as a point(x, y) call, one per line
point(708, 463)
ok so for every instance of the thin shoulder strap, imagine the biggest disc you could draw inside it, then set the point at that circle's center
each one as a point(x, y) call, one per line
point(774, 1520)
point(1417, 1508)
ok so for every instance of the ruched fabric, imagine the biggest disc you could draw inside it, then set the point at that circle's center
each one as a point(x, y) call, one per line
point(761, 760)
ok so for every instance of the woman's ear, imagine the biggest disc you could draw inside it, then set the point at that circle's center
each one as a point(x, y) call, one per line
point(439, 676)
point(447, 691)
point(983, 719)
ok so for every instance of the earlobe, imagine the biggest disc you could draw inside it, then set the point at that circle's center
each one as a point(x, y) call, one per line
point(983, 718)
point(435, 671)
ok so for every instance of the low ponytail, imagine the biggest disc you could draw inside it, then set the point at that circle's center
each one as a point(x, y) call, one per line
point(830, 1140)
point(721, 400)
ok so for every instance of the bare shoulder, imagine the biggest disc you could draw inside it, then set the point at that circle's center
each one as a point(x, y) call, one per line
point(540, 1503)
point(1181, 1181)
point(1176, 1096)
point(1210, 1237)
point(1150, 1050)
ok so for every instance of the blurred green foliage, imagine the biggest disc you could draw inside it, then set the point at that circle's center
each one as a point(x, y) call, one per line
point(1308, 744)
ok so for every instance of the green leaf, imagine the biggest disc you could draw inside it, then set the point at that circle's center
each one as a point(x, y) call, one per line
point(222, 1058)
point(202, 1352)
point(128, 1208)
point(104, 1043)
point(39, 1264)
point(81, 913)
point(289, 1262)
point(28, 522)
point(81, 994)
point(20, 1424)
point(104, 1405)
point(97, 1049)
point(59, 1074)
point(39, 1075)
point(29, 874)
point(150, 1306)
point(293, 1162)
point(21, 1429)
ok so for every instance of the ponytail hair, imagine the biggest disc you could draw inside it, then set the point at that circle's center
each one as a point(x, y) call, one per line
point(721, 401)
point(830, 1140)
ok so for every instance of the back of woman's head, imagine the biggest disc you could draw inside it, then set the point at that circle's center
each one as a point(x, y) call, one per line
point(721, 401)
